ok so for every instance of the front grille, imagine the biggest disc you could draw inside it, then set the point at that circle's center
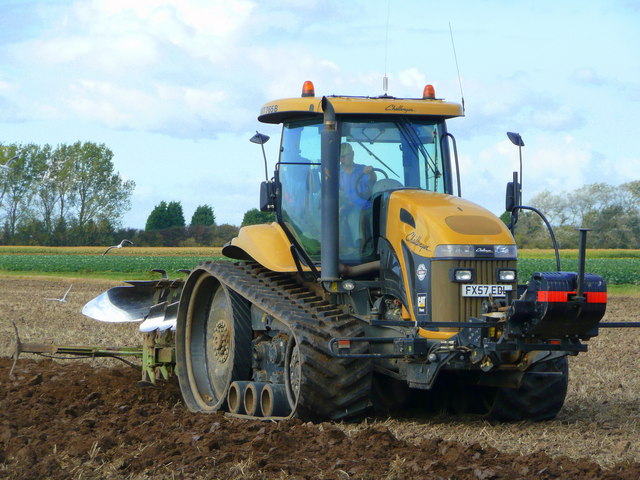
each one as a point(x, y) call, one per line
point(447, 302)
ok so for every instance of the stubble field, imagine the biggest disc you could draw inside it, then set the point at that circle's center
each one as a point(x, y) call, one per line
point(87, 418)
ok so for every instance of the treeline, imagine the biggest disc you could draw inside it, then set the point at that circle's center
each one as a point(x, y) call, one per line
point(71, 195)
point(166, 227)
point(64, 195)
point(611, 212)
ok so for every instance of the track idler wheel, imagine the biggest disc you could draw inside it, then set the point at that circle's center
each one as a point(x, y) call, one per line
point(292, 372)
point(213, 342)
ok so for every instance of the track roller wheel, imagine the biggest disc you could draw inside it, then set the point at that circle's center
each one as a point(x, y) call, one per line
point(213, 342)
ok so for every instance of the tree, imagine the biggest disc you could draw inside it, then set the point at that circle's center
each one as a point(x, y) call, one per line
point(16, 186)
point(612, 212)
point(70, 190)
point(165, 215)
point(223, 234)
point(157, 219)
point(100, 193)
point(47, 195)
point(203, 216)
point(60, 174)
point(175, 217)
point(256, 217)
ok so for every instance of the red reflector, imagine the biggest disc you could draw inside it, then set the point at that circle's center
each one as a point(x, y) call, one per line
point(592, 297)
point(554, 342)
point(308, 89)
point(596, 297)
point(429, 92)
point(344, 343)
point(545, 296)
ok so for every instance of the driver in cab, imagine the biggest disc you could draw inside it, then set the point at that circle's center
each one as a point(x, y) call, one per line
point(355, 185)
point(355, 179)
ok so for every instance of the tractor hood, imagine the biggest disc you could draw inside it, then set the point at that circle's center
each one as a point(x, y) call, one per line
point(424, 220)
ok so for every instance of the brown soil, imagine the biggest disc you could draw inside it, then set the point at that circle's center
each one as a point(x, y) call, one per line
point(87, 419)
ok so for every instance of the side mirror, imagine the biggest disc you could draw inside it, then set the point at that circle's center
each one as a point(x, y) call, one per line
point(511, 196)
point(267, 203)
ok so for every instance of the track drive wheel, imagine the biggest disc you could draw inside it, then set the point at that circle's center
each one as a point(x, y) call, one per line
point(213, 342)
point(319, 386)
point(539, 397)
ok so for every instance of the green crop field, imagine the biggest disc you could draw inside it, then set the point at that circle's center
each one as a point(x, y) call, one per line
point(96, 266)
point(615, 271)
point(617, 267)
point(573, 253)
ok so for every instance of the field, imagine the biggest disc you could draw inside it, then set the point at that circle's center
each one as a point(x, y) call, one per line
point(87, 419)
point(617, 267)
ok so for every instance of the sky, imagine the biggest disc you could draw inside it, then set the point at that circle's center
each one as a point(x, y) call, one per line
point(174, 87)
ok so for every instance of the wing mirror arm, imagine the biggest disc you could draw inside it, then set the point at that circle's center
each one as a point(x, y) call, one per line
point(267, 188)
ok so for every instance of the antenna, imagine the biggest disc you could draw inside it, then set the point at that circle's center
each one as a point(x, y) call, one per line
point(457, 68)
point(385, 80)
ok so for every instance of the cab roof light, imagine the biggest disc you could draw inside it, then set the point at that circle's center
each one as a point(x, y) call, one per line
point(308, 89)
point(429, 93)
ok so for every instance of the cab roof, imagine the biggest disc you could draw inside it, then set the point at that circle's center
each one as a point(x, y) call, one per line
point(286, 109)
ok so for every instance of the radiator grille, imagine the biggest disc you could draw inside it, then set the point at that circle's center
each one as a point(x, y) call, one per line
point(448, 304)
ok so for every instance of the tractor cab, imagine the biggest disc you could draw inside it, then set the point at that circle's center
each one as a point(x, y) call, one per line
point(381, 144)
point(377, 155)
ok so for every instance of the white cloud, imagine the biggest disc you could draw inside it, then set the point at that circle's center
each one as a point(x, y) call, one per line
point(183, 68)
point(412, 79)
point(588, 76)
point(555, 163)
point(103, 101)
point(556, 118)
point(194, 69)
point(516, 104)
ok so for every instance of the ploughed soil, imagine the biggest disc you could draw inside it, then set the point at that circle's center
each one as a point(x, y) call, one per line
point(73, 421)
point(88, 419)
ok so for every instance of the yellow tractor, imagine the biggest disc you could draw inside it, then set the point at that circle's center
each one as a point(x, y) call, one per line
point(377, 286)
point(376, 280)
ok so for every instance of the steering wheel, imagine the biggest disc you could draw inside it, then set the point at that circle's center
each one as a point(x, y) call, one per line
point(365, 193)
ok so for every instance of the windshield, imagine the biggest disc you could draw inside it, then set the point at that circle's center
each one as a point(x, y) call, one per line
point(375, 156)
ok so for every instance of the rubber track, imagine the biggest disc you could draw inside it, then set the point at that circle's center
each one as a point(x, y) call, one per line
point(331, 388)
point(539, 397)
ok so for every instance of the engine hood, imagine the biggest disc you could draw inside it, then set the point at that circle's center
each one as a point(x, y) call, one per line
point(423, 220)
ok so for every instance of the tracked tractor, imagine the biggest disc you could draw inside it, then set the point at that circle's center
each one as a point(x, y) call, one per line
point(377, 286)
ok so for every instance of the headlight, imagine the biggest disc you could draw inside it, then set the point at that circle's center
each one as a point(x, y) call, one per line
point(461, 275)
point(506, 275)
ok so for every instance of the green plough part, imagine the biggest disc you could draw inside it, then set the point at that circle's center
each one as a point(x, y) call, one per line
point(157, 354)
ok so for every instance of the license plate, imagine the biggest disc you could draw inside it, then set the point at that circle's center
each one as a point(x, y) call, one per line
point(469, 290)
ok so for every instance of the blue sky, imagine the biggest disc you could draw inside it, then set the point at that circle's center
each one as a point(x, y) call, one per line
point(173, 87)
